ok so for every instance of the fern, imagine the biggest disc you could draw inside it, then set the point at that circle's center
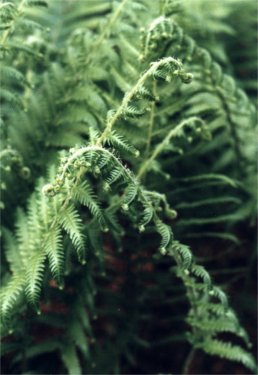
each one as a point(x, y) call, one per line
point(53, 249)
point(71, 360)
point(132, 144)
point(226, 350)
point(34, 277)
point(71, 223)
point(10, 295)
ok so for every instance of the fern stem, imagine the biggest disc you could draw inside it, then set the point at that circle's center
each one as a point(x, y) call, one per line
point(159, 148)
point(188, 361)
point(151, 122)
point(106, 29)
point(162, 6)
point(128, 97)
point(232, 126)
point(87, 149)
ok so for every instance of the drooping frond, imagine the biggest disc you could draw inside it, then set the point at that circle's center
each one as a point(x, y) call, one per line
point(71, 360)
point(226, 350)
point(34, 277)
point(72, 224)
point(53, 249)
point(85, 195)
point(10, 295)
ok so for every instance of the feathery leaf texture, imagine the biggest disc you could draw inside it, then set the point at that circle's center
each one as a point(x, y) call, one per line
point(155, 143)
point(226, 350)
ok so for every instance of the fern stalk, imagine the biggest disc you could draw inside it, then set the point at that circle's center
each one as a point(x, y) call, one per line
point(128, 97)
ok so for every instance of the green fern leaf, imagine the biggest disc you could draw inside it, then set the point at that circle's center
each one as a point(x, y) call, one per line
point(71, 360)
point(12, 253)
point(79, 337)
point(200, 272)
point(184, 252)
point(148, 213)
point(85, 195)
point(115, 174)
point(9, 74)
point(71, 222)
point(10, 97)
point(54, 250)
point(121, 143)
point(10, 295)
point(133, 112)
point(130, 194)
point(228, 351)
point(34, 277)
point(218, 293)
point(166, 236)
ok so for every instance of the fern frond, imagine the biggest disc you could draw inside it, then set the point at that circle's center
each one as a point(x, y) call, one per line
point(166, 236)
point(222, 86)
point(72, 224)
point(34, 277)
point(12, 251)
point(130, 194)
point(121, 143)
point(184, 252)
point(223, 324)
point(9, 97)
point(115, 174)
point(70, 359)
point(218, 293)
point(199, 271)
point(54, 250)
point(9, 74)
point(79, 337)
point(229, 351)
point(79, 83)
point(147, 216)
point(133, 112)
point(10, 296)
point(209, 201)
point(84, 194)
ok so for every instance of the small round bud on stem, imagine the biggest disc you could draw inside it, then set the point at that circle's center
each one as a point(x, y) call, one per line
point(141, 228)
point(48, 190)
point(186, 77)
point(97, 170)
point(25, 172)
point(172, 214)
point(106, 186)
point(163, 250)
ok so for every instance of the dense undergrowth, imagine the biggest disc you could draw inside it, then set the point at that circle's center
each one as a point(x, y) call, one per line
point(128, 186)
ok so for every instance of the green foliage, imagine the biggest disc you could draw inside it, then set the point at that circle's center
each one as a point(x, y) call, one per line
point(119, 146)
